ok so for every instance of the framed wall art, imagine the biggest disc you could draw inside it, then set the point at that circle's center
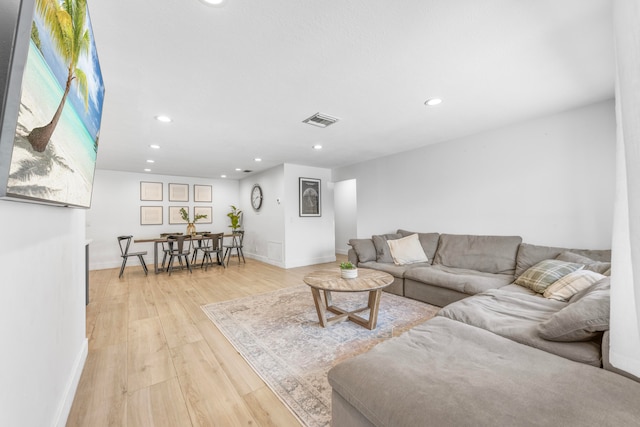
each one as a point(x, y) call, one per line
point(51, 97)
point(151, 191)
point(178, 192)
point(174, 214)
point(310, 197)
point(151, 215)
point(203, 210)
point(201, 193)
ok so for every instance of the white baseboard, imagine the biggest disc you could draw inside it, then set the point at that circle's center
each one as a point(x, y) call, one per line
point(72, 385)
point(342, 251)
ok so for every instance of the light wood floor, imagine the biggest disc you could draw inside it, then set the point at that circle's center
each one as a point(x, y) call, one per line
point(155, 359)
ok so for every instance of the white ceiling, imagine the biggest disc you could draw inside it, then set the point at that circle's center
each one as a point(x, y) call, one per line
point(238, 80)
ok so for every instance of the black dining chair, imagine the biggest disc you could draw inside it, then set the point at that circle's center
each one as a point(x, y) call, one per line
point(179, 249)
point(165, 247)
point(124, 242)
point(201, 245)
point(214, 248)
point(236, 243)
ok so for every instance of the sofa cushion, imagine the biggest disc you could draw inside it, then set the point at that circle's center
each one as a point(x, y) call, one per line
point(391, 268)
point(544, 273)
point(581, 320)
point(406, 250)
point(489, 254)
point(589, 264)
point(462, 280)
point(429, 242)
point(566, 287)
point(383, 254)
point(446, 373)
point(517, 317)
point(365, 250)
point(529, 255)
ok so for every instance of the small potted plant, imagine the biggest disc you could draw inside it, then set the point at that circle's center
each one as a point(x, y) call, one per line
point(348, 270)
point(191, 228)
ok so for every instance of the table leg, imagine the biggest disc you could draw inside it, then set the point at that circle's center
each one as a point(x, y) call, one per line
point(317, 299)
point(155, 257)
point(374, 305)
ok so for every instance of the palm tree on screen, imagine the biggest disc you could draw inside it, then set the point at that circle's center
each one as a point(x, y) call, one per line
point(65, 21)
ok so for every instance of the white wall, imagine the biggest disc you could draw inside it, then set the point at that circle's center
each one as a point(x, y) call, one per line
point(42, 312)
point(549, 180)
point(264, 229)
point(276, 234)
point(308, 240)
point(625, 280)
point(346, 213)
point(115, 211)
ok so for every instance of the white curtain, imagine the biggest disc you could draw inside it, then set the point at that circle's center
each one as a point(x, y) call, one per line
point(625, 281)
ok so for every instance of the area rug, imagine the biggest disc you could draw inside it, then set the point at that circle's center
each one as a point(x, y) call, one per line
point(278, 334)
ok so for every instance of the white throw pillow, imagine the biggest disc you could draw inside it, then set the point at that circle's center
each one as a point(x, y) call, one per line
point(407, 250)
point(566, 287)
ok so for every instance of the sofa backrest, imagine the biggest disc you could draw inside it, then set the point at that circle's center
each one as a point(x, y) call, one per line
point(490, 254)
point(529, 255)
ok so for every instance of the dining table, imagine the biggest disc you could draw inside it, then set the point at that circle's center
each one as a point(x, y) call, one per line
point(163, 239)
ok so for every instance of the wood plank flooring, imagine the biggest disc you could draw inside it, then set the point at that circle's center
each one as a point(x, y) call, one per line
point(155, 358)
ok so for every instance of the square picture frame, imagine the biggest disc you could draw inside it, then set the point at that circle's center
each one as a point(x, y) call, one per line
point(150, 191)
point(204, 210)
point(178, 192)
point(202, 193)
point(174, 214)
point(310, 197)
point(151, 215)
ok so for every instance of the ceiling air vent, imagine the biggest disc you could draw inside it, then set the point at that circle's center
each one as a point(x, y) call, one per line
point(320, 120)
point(247, 171)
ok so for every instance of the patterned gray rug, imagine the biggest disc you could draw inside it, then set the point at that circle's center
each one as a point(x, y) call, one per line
point(279, 335)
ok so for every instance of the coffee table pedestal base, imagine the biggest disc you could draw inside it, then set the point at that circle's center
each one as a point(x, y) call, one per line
point(340, 314)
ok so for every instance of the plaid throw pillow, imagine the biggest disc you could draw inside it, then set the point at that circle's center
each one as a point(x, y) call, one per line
point(544, 273)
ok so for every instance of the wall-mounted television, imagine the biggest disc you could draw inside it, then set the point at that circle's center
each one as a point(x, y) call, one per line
point(52, 94)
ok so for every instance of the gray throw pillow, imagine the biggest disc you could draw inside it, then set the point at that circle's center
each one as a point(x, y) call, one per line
point(581, 320)
point(383, 253)
point(428, 241)
point(589, 264)
point(364, 248)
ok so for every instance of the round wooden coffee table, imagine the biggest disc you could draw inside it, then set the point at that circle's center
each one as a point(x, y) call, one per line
point(372, 281)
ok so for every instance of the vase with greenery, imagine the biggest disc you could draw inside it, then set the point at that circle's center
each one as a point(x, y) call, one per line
point(191, 225)
point(234, 216)
point(348, 270)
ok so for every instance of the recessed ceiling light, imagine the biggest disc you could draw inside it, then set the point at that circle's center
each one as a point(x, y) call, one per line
point(317, 147)
point(154, 146)
point(147, 170)
point(163, 119)
point(151, 161)
point(216, 3)
point(257, 159)
point(433, 101)
point(223, 176)
point(238, 169)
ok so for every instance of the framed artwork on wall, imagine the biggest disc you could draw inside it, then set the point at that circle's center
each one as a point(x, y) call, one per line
point(174, 214)
point(178, 192)
point(51, 97)
point(310, 197)
point(202, 193)
point(203, 210)
point(151, 191)
point(150, 215)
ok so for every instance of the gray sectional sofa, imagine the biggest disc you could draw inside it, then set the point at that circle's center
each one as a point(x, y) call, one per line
point(497, 353)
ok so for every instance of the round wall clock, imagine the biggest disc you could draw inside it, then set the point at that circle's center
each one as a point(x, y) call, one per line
point(256, 197)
